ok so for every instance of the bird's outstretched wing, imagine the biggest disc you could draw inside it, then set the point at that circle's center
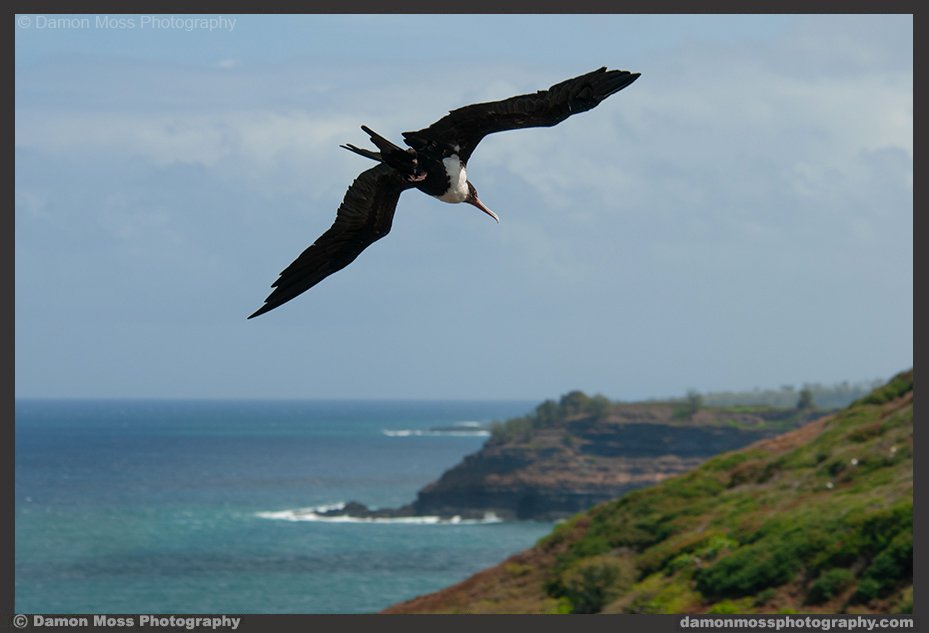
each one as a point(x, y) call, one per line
point(465, 127)
point(364, 217)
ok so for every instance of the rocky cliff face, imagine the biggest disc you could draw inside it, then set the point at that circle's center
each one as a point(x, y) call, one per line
point(816, 520)
point(565, 466)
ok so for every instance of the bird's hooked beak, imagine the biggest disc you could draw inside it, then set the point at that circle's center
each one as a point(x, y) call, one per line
point(473, 199)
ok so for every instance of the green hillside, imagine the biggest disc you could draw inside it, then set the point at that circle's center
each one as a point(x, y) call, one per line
point(816, 520)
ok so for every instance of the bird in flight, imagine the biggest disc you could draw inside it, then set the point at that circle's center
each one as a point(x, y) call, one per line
point(435, 162)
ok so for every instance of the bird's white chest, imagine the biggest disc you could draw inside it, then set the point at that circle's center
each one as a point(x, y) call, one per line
point(458, 180)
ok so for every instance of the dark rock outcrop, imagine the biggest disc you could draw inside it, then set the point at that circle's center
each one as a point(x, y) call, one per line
point(359, 510)
point(551, 471)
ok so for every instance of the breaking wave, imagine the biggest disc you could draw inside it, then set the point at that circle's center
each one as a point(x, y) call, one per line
point(314, 514)
point(459, 429)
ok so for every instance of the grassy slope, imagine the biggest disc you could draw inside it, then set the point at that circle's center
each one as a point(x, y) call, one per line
point(816, 520)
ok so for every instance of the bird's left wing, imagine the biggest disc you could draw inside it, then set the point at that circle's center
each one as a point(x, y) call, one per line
point(365, 216)
point(465, 127)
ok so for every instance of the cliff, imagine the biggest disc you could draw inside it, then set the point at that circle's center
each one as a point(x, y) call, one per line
point(569, 455)
point(566, 457)
point(816, 520)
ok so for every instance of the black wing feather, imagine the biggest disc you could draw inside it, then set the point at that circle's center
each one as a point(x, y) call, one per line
point(365, 216)
point(466, 126)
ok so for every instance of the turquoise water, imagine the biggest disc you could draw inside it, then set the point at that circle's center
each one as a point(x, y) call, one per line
point(187, 506)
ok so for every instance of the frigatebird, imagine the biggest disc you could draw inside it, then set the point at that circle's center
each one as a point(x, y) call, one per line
point(435, 162)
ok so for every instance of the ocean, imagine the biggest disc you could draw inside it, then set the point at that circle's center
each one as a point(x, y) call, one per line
point(159, 506)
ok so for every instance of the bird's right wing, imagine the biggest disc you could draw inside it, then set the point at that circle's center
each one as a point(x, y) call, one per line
point(465, 127)
point(365, 216)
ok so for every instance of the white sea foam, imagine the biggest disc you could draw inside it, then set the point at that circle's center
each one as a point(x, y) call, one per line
point(339, 505)
point(459, 429)
point(313, 514)
point(429, 432)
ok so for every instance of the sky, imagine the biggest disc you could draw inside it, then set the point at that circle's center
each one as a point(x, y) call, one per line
point(739, 217)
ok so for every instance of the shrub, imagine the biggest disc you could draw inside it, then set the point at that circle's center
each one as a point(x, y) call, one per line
point(573, 403)
point(805, 401)
point(865, 433)
point(898, 385)
point(764, 597)
point(599, 406)
point(547, 413)
point(694, 402)
point(511, 430)
point(550, 414)
point(714, 545)
point(881, 527)
point(679, 562)
point(892, 567)
point(829, 584)
point(594, 582)
point(748, 570)
point(866, 591)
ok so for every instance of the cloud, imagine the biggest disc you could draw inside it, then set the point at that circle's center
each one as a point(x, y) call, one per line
point(725, 212)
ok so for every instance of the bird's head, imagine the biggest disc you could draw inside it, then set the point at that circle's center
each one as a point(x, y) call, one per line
point(473, 199)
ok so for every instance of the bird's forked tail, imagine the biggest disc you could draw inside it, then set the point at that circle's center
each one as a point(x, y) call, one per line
point(363, 152)
point(403, 160)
